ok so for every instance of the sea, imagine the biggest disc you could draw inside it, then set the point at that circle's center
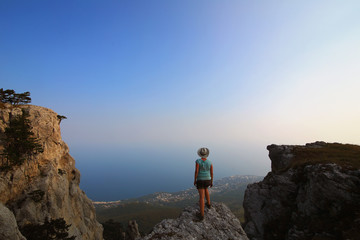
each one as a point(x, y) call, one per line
point(115, 173)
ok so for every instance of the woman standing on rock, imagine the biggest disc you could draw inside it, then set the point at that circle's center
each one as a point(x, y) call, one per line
point(203, 179)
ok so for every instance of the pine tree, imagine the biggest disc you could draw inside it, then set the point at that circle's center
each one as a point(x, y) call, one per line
point(10, 96)
point(20, 143)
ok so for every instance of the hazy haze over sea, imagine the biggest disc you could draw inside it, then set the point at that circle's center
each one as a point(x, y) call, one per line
point(111, 175)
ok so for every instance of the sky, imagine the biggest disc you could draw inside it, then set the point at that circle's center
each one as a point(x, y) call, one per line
point(145, 83)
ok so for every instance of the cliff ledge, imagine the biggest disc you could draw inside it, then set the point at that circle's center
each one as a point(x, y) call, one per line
point(312, 192)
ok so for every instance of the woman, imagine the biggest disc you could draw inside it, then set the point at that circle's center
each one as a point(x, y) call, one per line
point(203, 179)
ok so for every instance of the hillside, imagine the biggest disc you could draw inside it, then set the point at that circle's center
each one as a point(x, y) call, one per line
point(150, 209)
point(145, 214)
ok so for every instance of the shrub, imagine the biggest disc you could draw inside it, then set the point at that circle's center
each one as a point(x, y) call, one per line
point(55, 229)
point(113, 230)
point(344, 155)
point(37, 195)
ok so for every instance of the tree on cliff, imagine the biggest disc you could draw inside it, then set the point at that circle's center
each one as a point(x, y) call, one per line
point(9, 96)
point(61, 117)
point(20, 143)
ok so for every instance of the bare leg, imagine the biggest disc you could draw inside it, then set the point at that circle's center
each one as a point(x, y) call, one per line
point(207, 195)
point(201, 200)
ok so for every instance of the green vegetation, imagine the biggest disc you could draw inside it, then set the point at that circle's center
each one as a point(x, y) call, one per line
point(37, 195)
point(234, 200)
point(146, 215)
point(61, 117)
point(9, 96)
point(19, 143)
point(113, 230)
point(55, 229)
point(345, 155)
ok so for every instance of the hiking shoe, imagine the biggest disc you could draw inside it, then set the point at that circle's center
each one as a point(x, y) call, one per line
point(208, 205)
point(200, 217)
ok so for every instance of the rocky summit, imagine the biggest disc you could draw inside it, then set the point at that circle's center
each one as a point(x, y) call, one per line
point(219, 224)
point(46, 186)
point(312, 192)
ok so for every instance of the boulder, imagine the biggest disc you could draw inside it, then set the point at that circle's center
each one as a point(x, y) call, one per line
point(219, 223)
point(8, 227)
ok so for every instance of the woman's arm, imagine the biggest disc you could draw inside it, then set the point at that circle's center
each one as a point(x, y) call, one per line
point(212, 175)
point(196, 172)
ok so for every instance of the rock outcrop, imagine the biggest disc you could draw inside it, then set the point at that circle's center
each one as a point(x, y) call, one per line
point(132, 231)
point(8, 226)
point(219, 223)
point(47, 186)
point(312, 192)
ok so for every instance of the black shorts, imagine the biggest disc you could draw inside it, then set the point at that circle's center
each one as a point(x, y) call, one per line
point(203, 184)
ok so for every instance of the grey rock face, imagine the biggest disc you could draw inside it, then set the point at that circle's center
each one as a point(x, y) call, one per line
point(8, 226)
point(320, 200)
point(48, 185)
point(132, 231)
point(264, 202)
point(281, 157)
point(219, 223)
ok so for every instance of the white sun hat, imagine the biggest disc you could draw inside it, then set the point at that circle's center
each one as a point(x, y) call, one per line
point(203, 152)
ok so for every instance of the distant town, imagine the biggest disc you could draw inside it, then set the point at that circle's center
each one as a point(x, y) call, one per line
point(220, 185)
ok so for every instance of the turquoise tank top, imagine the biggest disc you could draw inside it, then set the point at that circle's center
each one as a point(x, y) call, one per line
point(204, 169)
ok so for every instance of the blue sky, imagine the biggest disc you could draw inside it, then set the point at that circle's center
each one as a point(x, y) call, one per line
point(152, 81)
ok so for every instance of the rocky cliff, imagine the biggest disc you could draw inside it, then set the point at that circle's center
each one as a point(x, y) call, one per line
point(312, 192)
point(219, 223)
point(47, 186)
point(8, 227)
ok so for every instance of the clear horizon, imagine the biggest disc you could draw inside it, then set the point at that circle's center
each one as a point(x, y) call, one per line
point(144, 84)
